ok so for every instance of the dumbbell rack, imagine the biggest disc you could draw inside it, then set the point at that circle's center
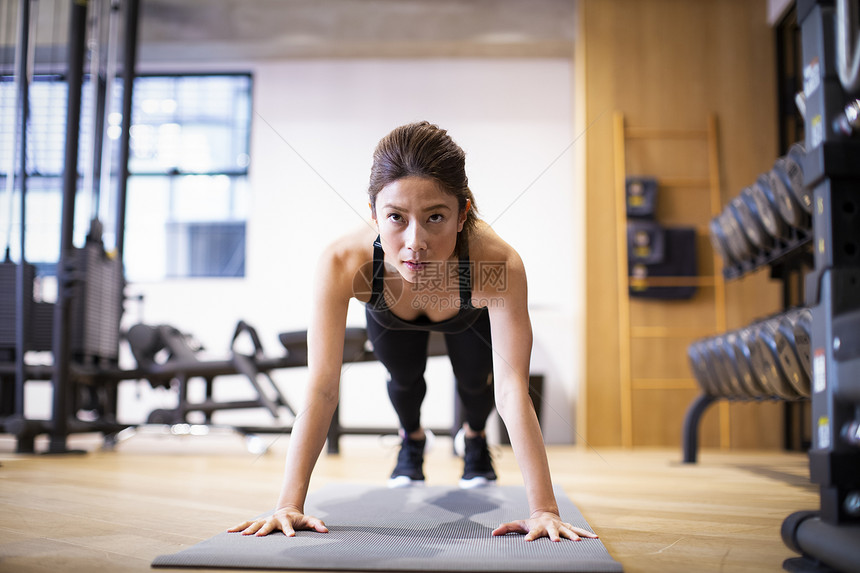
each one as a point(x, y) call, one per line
point(767, 225)
point(829, 539)
point(767, 360)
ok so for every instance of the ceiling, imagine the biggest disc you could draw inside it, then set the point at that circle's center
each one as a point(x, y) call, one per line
point(233, 30)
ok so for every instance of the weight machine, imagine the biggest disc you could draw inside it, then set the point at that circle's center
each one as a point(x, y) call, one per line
point(81, 328)
point(829, 538)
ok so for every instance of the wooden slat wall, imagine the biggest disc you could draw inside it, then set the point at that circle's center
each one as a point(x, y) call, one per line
point(668, 64)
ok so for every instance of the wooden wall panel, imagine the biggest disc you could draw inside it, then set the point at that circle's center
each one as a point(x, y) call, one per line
point(697, 312)
point(680, 206)
point(668, 64)
point(654, 358)
point(753, 427)
point(681, 158)
point(668, 406)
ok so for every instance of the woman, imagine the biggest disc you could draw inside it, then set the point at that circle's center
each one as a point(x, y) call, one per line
point(427, 263)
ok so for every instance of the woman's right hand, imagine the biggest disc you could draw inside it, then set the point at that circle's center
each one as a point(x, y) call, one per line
point(287, 520)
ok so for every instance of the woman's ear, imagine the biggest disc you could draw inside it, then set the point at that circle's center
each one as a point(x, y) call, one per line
point(372, 213)
point(464, 213)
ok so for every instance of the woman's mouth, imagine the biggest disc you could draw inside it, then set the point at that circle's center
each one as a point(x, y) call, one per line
point(414, 265)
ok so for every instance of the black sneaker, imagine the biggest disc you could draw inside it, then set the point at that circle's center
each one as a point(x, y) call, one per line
point(408, 472)
point(478, 467)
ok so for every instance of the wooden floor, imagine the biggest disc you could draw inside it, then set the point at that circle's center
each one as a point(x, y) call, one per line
point(116, 511)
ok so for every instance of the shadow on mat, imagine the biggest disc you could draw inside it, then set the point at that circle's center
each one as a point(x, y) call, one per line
point(386, 524)
point(412, 511)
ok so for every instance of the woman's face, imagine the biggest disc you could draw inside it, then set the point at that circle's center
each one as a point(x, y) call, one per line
point(418, 225)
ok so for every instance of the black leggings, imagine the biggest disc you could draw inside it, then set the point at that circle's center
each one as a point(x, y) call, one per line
point(404, 354)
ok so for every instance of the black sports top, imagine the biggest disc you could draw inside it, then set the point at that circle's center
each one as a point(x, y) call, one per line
point(377, 307)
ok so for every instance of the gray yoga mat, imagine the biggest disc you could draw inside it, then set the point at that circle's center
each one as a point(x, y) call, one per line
point(411, 529)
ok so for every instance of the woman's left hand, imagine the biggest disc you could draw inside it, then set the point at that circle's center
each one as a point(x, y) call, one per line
point(545, 524)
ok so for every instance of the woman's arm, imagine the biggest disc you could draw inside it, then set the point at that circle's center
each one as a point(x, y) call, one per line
point(512, 346)
point(332, 291)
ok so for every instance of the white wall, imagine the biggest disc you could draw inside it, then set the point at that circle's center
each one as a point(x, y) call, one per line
point(316, 123)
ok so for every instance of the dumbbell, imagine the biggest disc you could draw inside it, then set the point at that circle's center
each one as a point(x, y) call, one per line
point(786, 347)
point(747, 213)
point(761, 372)
point(736, 240)
point(744, 346)
point(765, 361)
point(700, 369)
point(700, 363)
point(803, 339)
point(721, 377)
point(768, 210)
point(797, 153)
point(738, 353)
point(794, 203)
point(719, 241)
point(724, 353)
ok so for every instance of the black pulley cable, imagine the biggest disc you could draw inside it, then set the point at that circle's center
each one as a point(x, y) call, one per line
point(10, 102)
point(95, 31)
point(16, 174)
point(104, 213)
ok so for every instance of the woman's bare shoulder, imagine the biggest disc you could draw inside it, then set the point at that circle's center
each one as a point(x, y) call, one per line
point(485, 245)
point(498, 268)
point(348, 260)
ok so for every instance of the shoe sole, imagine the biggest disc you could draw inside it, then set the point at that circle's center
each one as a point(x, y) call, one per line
point(476, 482)
point(404, 481)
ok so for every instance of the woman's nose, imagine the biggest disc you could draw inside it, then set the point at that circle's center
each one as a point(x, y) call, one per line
point(416, 240)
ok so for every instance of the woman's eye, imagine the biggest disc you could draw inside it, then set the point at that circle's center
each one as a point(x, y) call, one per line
point(436, 218)
point(394, 217)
